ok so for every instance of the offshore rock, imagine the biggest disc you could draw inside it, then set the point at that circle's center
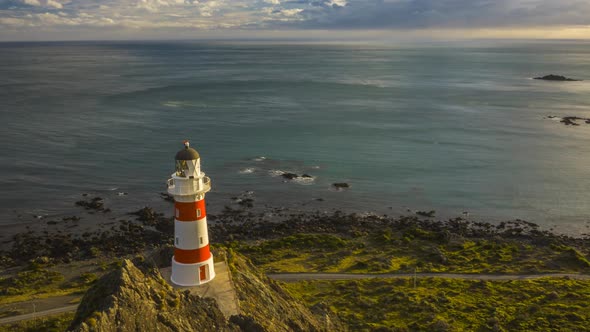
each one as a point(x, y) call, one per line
point(552, 77)
point(341, 185)
point(289, 176)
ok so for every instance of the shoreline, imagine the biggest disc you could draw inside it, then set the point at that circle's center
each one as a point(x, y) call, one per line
point(77, 220)
point(151, 227)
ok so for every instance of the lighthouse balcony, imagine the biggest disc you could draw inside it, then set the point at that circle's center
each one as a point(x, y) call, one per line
point(182, 186)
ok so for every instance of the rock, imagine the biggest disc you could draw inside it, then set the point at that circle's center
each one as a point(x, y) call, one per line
point(147, 215)
point(552, 77)
point(571, 120)
point(289, 176)
point(246, 323)
point(246, 202)
point(94, 204)
point(167, 197)
point(137, 299)
point(306, 176)
point(428, 214)
point(341, 185)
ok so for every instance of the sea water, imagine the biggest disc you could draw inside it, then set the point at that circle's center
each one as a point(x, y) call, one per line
point(456, 128)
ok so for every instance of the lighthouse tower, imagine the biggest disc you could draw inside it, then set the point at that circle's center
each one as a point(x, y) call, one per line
point(192, 263)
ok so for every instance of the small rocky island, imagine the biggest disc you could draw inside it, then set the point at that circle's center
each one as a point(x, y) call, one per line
point(552, 77)
point(570, 120)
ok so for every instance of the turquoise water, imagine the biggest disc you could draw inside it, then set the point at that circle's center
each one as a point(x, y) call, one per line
point(452, 128)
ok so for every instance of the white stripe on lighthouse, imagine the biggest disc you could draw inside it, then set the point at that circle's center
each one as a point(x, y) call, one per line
point(191, 235)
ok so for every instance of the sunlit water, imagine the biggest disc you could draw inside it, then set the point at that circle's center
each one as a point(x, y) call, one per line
point(452, 128)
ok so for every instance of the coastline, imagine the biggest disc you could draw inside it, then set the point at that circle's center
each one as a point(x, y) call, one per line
point(64, 258)
point(152, 227)
point(76, 220)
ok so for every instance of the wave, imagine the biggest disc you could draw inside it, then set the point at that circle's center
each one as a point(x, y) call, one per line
point(276, 172)
point(248, 170)
point(304, 180)
point(180, 104)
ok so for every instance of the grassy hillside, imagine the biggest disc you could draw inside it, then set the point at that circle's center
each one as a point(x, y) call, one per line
point(453, 305)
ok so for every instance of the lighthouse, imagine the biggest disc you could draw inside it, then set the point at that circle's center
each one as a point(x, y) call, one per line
point(192, 263)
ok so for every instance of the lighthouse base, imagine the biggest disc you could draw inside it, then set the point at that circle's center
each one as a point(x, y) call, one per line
point(192, 274)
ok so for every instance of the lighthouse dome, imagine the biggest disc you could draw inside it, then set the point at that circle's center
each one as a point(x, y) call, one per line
point(187, 154)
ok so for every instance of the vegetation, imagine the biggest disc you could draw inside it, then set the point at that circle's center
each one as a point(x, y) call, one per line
point(373, 244)
point(42, 281)
point(387, 252)
point(319, 242)
point(437, 304)
point(57, 323)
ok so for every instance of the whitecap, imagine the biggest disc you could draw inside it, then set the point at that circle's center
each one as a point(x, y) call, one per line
point(172, 104)
point(248, 170)
point(304, 180)
point(262, 158)
point(276, 172)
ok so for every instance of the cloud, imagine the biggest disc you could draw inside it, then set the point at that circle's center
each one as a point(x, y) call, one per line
point(42, 3)
point(289, 15)
point(376, 14)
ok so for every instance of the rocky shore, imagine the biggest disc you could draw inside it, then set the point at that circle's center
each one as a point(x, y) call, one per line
point(275, 240)
point(147, 229)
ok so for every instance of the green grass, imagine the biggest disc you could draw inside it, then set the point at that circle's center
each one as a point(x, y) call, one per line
point(453, 305)
point(57, 323)
point(37, 282)
point(407, 251)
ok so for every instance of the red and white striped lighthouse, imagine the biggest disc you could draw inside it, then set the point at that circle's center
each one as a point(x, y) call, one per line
point(192, 263)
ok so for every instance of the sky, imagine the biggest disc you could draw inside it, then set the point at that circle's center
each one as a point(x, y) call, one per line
point(293, 19)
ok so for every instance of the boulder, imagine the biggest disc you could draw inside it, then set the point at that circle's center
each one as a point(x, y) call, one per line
point(289, 176)
point(341, 185)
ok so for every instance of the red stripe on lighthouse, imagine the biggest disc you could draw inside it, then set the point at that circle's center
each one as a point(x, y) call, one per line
point(190, 211)
point(192, 256)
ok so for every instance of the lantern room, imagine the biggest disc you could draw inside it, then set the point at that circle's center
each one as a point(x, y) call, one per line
point(188, 162)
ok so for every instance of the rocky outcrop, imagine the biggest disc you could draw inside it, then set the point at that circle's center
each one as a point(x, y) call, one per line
point(552, 77)
point(341, 185)
point(289, 176)
point(269, 306)
point(96, 204)
point(136, 298)
point(570, 120)
point(293, 176)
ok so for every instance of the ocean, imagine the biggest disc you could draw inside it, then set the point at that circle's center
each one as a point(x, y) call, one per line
point(459, 128)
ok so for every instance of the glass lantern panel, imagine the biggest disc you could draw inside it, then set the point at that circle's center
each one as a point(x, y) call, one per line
point(181, 167)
